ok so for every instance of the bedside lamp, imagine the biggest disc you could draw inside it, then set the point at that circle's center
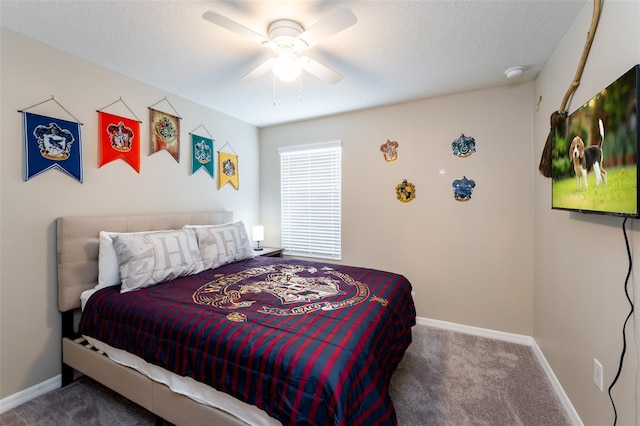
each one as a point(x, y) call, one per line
point(258, 235)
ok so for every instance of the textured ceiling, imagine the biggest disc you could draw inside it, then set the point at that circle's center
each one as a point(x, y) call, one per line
point(397, 51)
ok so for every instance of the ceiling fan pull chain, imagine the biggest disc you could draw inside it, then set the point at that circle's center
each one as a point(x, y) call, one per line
point(300, 87)
point(274, 89)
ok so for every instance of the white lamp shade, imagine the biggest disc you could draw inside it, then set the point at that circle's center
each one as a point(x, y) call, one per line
point(287, 67)
point(258, 233)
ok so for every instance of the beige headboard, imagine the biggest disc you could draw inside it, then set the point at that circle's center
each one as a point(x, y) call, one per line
point(78, 242)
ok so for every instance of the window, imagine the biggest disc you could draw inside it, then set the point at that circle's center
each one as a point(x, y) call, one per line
point(310, 200)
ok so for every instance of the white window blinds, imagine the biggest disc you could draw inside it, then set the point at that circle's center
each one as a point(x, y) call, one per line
point(311, 199)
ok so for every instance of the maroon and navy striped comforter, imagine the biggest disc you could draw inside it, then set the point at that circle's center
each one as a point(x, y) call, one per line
point(309, 343)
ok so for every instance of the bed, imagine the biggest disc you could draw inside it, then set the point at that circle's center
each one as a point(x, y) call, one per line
point(240, 339)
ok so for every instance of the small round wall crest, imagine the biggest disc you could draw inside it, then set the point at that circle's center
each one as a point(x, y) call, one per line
point(464, 146)
point(389, 150)
point(463, 188)
point(405, 191)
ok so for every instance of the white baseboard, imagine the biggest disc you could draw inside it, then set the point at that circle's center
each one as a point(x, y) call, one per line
point(512, 338)
point(27, 395)
point(477, 331)
point(555, 383)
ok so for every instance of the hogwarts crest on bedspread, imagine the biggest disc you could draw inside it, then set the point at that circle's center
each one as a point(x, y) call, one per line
point(298, 289)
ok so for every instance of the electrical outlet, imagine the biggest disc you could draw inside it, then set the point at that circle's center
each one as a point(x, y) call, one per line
point(597, 374)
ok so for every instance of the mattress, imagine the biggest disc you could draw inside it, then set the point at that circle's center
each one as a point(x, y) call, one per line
point(305, 342)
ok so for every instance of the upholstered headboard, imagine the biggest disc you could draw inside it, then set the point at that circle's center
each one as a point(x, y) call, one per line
point(78, 242)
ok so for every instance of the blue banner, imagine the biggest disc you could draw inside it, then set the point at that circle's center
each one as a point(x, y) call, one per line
point(51, 143)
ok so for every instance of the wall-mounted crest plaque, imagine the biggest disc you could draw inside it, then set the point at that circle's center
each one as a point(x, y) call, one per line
point(405, 191)
point(389, 150)
point(464, 146)
point(463, 188)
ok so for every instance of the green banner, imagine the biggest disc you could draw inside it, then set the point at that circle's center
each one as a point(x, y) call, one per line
point(201, 154)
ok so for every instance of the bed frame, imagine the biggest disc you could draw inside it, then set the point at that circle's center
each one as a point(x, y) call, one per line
point(77, 254)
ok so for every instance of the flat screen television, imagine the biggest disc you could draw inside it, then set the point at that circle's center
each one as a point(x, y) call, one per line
point(602, 176)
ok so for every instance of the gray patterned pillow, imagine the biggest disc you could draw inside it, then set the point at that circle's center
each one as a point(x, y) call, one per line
point(146, 259)
point(222, 244)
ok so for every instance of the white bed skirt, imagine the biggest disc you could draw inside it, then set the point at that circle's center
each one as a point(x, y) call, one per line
point(186, 386)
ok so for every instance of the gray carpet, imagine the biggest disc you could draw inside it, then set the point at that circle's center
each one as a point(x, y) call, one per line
point(456, 379)
point(445, 378)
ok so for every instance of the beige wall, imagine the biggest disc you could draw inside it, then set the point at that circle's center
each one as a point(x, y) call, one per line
point(580, 260)
point(469, 262)
point(31, 73)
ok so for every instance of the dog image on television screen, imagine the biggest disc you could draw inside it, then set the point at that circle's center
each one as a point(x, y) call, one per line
point(594, 173)
point(588, 159)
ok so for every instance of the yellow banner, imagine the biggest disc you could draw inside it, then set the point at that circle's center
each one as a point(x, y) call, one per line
point(227, 170)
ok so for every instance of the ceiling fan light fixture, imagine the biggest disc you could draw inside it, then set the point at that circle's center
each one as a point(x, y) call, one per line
point(287, 67)
point(287, 38)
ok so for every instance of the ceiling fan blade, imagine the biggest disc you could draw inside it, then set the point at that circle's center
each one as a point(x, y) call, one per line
point(260, 70)
point(233, 26)
point(336, 21)
point(319, 70)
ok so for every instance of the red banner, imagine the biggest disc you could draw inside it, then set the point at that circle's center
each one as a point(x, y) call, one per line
point(119, 138)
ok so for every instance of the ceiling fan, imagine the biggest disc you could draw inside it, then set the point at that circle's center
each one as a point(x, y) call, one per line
point(287, 38)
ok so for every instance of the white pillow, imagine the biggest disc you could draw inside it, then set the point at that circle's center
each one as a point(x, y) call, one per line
point(149, 258)
point(223, 244)
point(108, 270)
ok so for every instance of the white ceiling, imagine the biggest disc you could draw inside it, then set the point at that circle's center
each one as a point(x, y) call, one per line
point(398, 50)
